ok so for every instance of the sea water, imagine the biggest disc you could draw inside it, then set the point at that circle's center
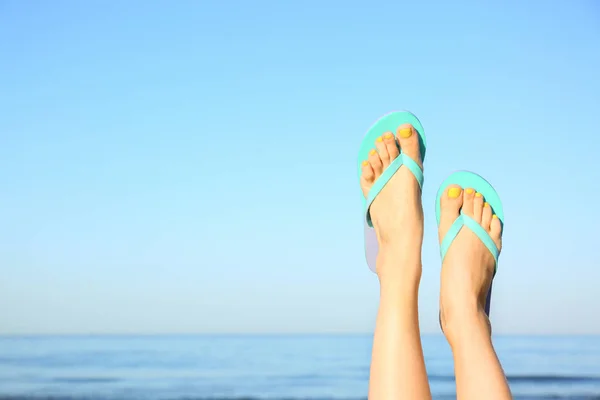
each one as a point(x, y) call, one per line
point(303, 367)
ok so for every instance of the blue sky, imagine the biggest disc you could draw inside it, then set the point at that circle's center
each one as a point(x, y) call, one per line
point(189, 166)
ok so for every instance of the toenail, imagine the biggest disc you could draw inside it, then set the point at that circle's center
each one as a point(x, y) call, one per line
point(372, 152)
point(405, 132)
point(379, 139)
point(453, 193)
point(477, 194)
point(469, 191)
point(486, 204)
point(494, 216)
point(365, 163)
point(388, 135)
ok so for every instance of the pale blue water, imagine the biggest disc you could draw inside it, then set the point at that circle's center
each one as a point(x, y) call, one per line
point(268, 367)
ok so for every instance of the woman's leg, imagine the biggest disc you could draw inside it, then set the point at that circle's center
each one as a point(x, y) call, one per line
point(397, 365)
point(466, 277)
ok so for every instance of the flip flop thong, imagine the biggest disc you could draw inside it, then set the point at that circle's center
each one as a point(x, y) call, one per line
point(466, 179)
point(388, 123)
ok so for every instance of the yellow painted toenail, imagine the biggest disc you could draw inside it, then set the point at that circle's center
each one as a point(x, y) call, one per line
point(365, 163)
point(405, 132)
point(469, 191)
point(388, 135)
point(486, 204)
point(453, 193)
point(372, 152)
point(477, 194)
point(379, 139)
point(494, 216)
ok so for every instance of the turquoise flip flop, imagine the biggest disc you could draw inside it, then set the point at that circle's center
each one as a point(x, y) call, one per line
point(466, 179)
point(388, 123)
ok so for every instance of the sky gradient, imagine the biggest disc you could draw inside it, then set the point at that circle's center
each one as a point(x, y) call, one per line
point(189, 166)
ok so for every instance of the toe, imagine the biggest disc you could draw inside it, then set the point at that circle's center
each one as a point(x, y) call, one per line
point(450, 204)
point(376, 163)
point(391, 145)
point(468, 198)
point(408, 138)
point(486, 216)
point(367, 178)
point(382, 150)
point(478, 207)
point(496, 230)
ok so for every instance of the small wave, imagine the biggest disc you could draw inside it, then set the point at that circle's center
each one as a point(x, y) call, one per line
point(442, 397)
point(534, 378)
point(553, 378)
point(85, 380)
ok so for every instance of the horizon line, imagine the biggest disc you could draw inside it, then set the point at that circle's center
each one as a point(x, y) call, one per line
point(224, 334)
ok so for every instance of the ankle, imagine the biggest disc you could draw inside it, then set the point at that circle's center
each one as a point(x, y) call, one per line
point(401, 257)
point(398, 270)
point(463, 325)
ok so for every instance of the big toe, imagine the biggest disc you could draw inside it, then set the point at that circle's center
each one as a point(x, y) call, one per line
point(408, 138)
point(450, 204)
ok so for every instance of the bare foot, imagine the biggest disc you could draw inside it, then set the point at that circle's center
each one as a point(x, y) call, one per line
point(397, 364)
point(397, 212)
point(468, 267)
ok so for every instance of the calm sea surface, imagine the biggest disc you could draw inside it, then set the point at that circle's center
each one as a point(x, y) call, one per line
point(268, 367)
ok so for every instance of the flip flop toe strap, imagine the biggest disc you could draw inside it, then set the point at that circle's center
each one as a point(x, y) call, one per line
point(459, 223)
point(394, 166)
